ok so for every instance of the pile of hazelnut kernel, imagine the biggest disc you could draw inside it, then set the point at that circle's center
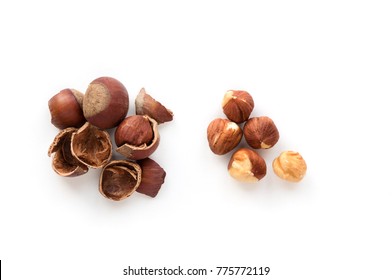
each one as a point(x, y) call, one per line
point(247, 165)
point(84, 142)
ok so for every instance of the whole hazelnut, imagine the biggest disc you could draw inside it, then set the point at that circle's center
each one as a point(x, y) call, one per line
point(105, 103)
point(247, 166)
point(66, 109)
point(237, 105)
point(290, 166)
point(134, 139)
point(261, 133)
point(223, 136)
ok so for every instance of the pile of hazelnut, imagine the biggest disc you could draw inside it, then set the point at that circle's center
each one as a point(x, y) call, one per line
point(84, 142)
point(246, 165)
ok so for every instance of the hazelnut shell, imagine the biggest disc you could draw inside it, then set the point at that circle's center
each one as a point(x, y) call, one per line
point(66, 109)
point(223, 136)
point(105, 103)
point(261, 133)
point(119, 179)
point(237, 105)
point(153, 176)
point(91, 146)
point(141, 151)
point(146, 105)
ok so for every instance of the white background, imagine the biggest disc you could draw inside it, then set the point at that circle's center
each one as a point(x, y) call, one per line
point(320, 69)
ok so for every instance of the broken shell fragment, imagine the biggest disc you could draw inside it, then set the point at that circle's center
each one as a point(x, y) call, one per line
point(146, 105)
point(119, 179)
point(63, 162)
point(91, 146)
point(153, 177)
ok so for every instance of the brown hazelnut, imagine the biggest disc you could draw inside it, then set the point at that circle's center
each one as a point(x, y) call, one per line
point(105, 103)
point(134, 150)
point(66, 109)
point(237, 105)
point(63, 162)
point(247, 166)
point(223, 136)
point(119, 179)
point(91, 146)
point(146, 105)
point(153, 176)
point(290, 166)
point(261, 133)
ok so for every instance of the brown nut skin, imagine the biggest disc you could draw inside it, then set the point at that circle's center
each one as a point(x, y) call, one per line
point(63, 162)
point(290, 166)
point(91, 146)
point(237, 105)
point(105, 103)
point(146, 105)
point(119, 179)
point(247, 166)
point(134, 130)
point(261, 133)
point(66, 109)
point(223, 136)
point(137, 152)
point(153, 177)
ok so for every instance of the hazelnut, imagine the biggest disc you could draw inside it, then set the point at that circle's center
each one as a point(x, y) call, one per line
point(247, 166)
point(223, 136)
point(153, 176)
point(105, 103)
point(91, 146)
point(290, 166)
point(63, 162)
point(261, 133)
point(237, 105)
point(141, 145)
point(146, 105)
point(66, 109)
point(119, 179)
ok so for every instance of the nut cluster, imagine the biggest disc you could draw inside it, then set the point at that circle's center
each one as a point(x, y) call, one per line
point(246, 165)
point(83, 141)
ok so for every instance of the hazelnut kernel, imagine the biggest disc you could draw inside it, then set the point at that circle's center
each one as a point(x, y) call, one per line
point(135, 130)
point(247, 166)
point(261, 133)
point(66, 109)
point(223, 136)
point(105, 103)
point(290, 166)
point(237, 105)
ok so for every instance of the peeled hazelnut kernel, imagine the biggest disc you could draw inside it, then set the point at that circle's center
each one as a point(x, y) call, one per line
point(290, 166)
point(153, 176)
point(135, 130)
point(66, 109)
point(261, 133)
point(146, 105)
point(91, 146)
point(237, 105)
point(130, 150)
point(63, 162)
point(105, 103)
point(119, 179)
point(247, 166)
point(223, 136)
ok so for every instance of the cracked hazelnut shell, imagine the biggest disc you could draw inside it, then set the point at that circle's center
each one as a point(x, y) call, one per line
point(153, 176)
point(119, 179)
point(290, 166)
point(223, 136)
point(261, 133)
point(237, 105)
point(91, 146)
point(247, 166)
point(146, 105)
point(63, 162)
point(66, 109)
point(130, 150)
point(105, 103)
